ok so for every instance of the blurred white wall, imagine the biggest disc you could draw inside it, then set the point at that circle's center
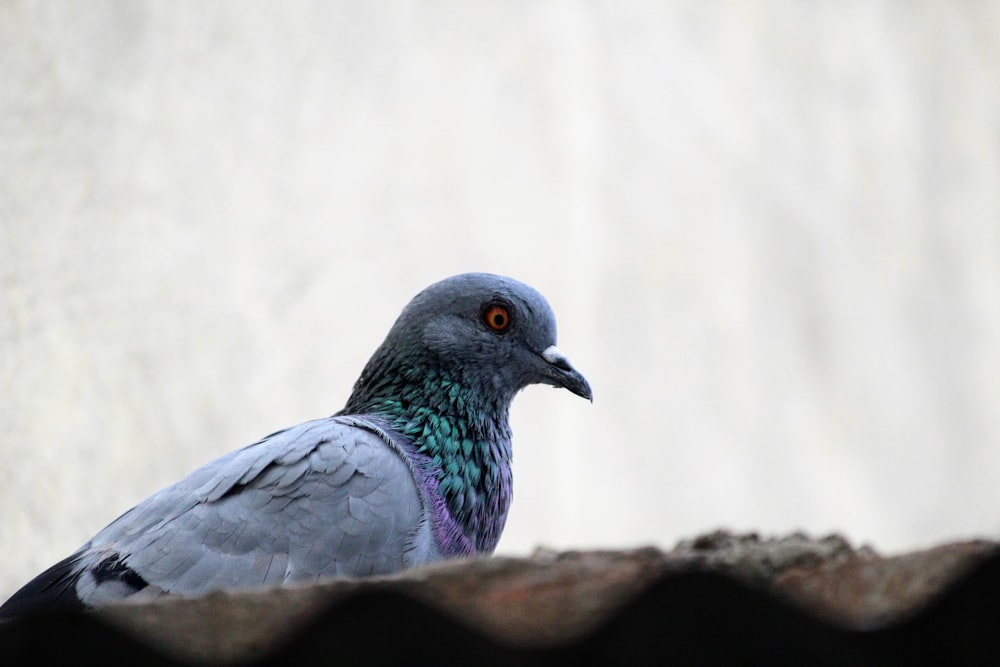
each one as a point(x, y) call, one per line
point(770, 230)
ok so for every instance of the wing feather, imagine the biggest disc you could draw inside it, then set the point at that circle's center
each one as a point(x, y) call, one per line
point(327, 497)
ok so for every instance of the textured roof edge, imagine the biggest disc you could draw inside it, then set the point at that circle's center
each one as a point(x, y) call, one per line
point(721, 597)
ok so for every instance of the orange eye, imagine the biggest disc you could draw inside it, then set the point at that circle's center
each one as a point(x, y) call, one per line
point(497, 318)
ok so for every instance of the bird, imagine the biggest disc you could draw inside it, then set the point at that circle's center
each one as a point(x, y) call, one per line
point(416, 468)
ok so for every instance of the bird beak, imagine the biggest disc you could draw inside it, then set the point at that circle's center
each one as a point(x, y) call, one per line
point(560, 373)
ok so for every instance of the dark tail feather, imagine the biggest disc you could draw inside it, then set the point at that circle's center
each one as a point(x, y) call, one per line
point(52, 590)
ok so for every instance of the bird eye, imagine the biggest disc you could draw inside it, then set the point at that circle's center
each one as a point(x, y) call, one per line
point(496, 317)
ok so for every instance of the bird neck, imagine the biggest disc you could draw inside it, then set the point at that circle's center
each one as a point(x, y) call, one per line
point(460, 439)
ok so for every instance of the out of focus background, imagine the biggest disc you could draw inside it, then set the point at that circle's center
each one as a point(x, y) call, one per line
point(770, 232)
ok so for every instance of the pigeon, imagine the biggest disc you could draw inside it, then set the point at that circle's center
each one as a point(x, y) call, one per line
point(415, 469)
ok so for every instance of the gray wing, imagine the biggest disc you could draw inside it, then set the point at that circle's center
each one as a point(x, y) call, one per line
point(327, 497)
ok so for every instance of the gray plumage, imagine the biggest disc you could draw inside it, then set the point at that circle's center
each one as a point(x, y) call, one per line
point(325, 498)
point(415, 469)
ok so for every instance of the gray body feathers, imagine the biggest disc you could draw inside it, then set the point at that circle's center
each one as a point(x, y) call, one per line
point(328, 497)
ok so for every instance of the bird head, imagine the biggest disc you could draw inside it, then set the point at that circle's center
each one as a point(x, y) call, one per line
point(490, 333)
